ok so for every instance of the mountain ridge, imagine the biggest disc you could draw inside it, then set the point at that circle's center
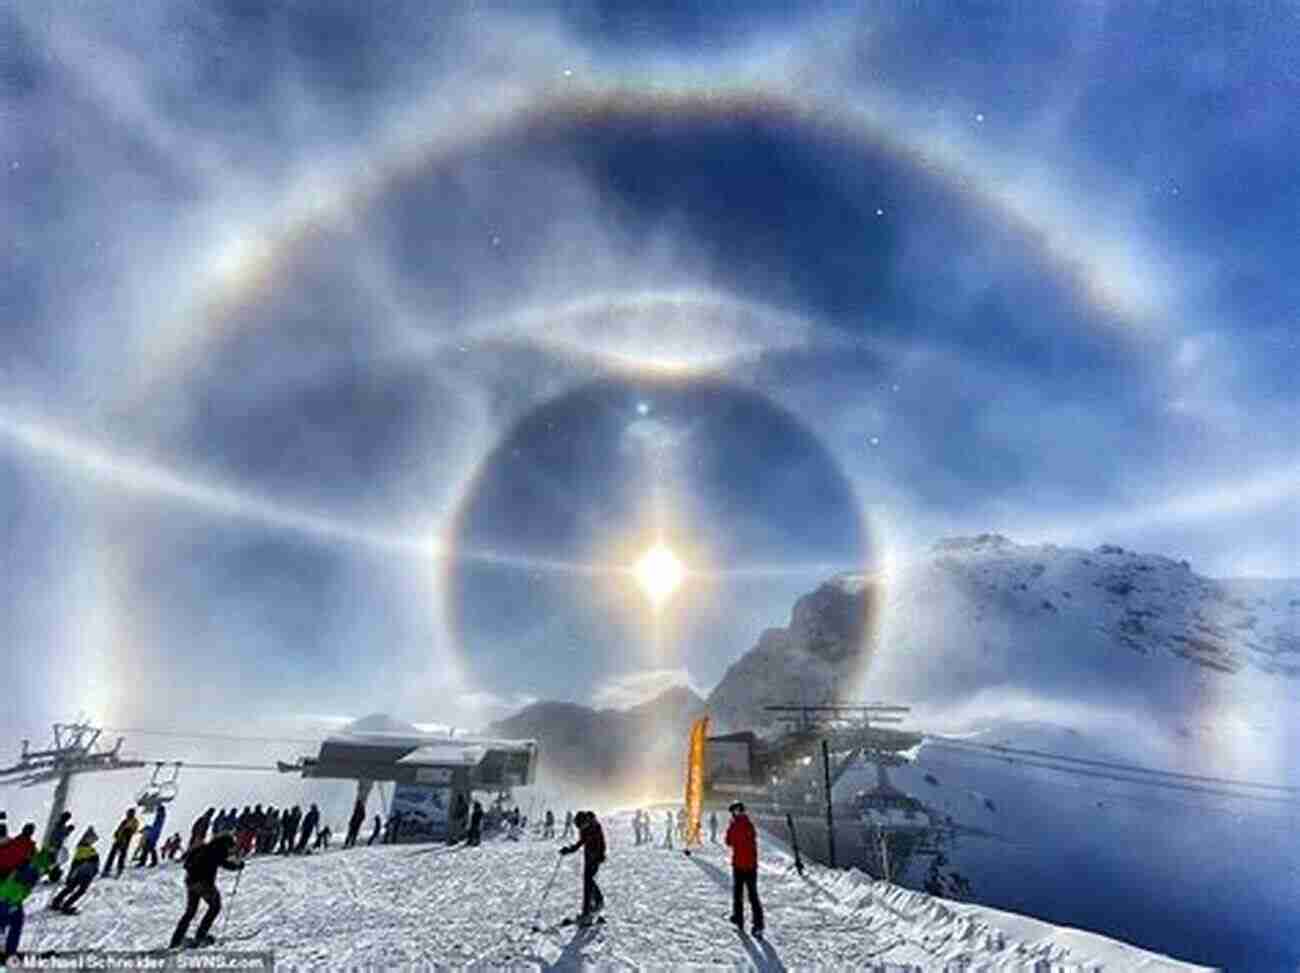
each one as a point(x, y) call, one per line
point(974, 613)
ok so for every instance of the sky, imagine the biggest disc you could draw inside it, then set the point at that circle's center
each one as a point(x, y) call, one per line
point(351, 360)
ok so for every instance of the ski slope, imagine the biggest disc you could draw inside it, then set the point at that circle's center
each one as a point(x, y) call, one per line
point(408, 905)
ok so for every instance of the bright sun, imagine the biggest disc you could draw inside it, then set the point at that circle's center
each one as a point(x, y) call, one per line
point(659, 573)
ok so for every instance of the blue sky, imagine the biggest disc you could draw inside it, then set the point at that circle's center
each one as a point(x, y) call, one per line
point(349, 360)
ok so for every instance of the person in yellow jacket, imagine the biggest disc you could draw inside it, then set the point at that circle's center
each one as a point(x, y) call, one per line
point(122, 836)
point(84, 868)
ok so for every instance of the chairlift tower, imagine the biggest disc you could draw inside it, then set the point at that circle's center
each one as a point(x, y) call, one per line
point(73, 753)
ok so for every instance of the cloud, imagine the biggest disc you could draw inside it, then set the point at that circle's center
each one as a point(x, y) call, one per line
point(482, 706)
point(315, 274)
point(634, 688)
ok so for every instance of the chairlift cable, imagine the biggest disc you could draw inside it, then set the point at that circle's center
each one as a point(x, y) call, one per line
point(1153, 780)
point(999, 750)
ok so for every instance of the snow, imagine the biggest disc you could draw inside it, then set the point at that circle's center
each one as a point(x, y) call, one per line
point(404, 905)
point(443, 755)
point(453, 746)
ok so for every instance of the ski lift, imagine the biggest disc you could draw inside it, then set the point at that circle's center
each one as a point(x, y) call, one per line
point(161, 788)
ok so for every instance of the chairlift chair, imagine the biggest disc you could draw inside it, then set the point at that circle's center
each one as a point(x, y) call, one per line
point(162, 786)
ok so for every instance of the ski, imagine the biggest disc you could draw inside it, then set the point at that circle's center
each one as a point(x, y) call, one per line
point(570, 921)
point(193, 943)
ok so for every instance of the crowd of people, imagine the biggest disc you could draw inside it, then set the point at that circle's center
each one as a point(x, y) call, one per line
point(224, 839)
point(218, 838)
point(642, 827)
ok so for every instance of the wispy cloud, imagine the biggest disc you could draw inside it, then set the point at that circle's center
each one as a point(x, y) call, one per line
point(633, 688)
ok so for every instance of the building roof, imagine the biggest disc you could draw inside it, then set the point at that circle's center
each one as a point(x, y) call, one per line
point(441, 755)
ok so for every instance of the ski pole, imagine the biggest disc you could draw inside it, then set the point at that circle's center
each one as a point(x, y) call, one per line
point(546, 893)
point(234, 889)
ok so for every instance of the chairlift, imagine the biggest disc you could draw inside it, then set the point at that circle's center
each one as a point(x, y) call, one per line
point(162, 786)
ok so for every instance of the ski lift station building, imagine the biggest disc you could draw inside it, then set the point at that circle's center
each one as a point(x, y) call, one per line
point(434, 774)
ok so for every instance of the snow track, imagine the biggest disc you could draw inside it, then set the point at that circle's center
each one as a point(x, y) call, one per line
point(474, 907)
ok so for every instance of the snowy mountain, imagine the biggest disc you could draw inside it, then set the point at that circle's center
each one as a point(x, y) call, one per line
point(1102, 655)
point(813, 660)
point(391, 907)
point(635, 752)
point(978, 612)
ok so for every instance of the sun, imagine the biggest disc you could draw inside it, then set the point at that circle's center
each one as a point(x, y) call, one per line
point(659, 573)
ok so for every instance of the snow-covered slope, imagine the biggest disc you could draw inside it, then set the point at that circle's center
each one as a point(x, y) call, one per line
point(393, 906)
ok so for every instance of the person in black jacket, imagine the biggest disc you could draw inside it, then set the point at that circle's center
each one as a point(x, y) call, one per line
point(309, 822)
point(201, 866)
point(591, 839)
point(289, 829)
point(199, 830)
point(475, 825)
point(354, 823)
point(58, 838)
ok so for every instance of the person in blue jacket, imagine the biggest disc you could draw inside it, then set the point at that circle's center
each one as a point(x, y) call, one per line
point(152, 835)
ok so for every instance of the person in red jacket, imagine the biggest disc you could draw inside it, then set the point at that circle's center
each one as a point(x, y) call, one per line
point(743, 841)
point(18, 851)
point(591, 839)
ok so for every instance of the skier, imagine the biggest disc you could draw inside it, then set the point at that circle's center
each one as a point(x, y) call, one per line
point(460, 816)
point(475, 825)
point(713, 826)
point(568, 824)
point(85, 866)
point(374, 834)
point(17, 852)
point(743, 841)
point(172, 847)
point(309, 822)
point(289, 829)
point(14, 890)
point(322, 839)
point(58, 838)
point(201, 866)
point(394, 826)
point(149, 841)
point(681, 824)
point(4, 826)
point(199, 830)
point(122, 836)
point(270, 829)
point(668, 830)
point(354, 823)
point(244, 830)
point(591, 839)
point(256, 821)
